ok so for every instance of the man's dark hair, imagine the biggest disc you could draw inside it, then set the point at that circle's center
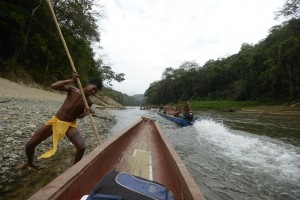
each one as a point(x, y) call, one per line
point(97, 82)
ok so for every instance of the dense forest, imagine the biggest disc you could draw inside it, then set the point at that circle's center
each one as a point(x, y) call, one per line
point(31, 48)
point(266, 71)
point(123, 98)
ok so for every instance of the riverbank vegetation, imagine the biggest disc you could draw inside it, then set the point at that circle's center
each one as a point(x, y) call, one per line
point(31, 50)
point(268, 71)
point(30, 43)
point(220, 105)
point(224, 105)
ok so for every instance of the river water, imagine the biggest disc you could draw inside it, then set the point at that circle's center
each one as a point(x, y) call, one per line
point(230, 155)
point(235, 155)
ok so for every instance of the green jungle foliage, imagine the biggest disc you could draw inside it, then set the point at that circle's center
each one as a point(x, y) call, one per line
point(219, 105)
point(30, 45)
point(268, 71)
point(121, 98)
point(223, 105)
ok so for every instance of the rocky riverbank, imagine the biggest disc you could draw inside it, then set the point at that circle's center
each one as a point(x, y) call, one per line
point(22, 111)
point(20, 118)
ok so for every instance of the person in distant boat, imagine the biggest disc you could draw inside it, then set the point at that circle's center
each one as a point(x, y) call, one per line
point(161, 108)
point(177, 110)
point(187, 112)
point(64, 121)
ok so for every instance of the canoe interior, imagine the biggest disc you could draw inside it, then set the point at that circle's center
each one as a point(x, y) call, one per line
point(141, 150)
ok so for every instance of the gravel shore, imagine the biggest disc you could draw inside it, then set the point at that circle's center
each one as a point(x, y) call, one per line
point(22, 111)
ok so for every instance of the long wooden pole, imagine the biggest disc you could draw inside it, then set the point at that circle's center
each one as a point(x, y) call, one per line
point(74, 70)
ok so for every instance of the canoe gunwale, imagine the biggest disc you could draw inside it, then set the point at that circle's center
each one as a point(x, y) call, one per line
point(184, 174)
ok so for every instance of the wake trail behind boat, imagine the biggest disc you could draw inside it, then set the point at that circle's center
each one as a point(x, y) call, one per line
point(242, 162)
point(256, 153)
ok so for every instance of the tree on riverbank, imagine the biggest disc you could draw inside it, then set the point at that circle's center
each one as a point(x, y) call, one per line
point(30, 44)
point(268, 71)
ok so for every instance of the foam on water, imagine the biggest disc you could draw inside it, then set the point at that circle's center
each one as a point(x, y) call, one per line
point(264, 154)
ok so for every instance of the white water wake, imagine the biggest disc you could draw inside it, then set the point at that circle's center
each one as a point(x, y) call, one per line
point(264, 154)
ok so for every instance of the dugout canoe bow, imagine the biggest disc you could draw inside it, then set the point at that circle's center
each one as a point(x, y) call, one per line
point(141, 150)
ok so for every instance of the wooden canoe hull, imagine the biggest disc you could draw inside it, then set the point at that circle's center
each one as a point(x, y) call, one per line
point(178, 120)
point(166, 167)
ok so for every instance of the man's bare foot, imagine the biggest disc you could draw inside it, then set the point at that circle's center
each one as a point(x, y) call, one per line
point(24, 166)
point(21, 166)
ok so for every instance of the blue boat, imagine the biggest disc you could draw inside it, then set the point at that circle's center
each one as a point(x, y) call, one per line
point(178, 120)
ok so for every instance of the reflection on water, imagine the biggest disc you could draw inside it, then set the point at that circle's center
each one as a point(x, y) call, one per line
point(230, 155)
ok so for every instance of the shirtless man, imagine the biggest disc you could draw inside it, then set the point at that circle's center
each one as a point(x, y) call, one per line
point(177, 110)
point(64, 122)
point(187, 112)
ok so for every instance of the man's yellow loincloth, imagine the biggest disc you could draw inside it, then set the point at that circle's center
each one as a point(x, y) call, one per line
point(59, 129)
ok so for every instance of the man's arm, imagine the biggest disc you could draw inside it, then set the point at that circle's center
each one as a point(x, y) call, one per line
point(86, 112)
point(63, 85)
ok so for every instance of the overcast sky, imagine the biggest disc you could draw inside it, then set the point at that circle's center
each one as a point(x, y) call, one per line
point(143, 37)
